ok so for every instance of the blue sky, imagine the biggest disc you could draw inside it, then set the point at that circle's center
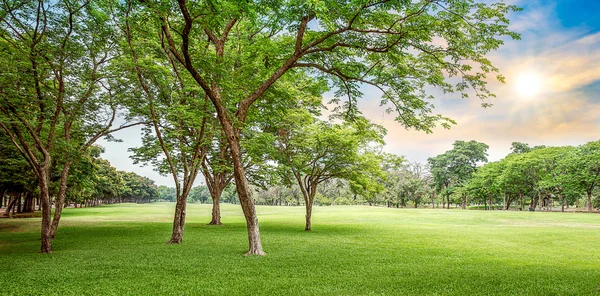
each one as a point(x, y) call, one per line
point(559, 50)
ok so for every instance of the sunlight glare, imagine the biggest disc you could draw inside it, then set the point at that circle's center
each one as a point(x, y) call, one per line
point(528, 85)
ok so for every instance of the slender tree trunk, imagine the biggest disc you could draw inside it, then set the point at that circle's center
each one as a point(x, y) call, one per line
point(10, 206)
point(521, 201)
point(308, 216)
point(590, 208)
point(46, 231)
point(178, 220)
point(60, 200)
point(19, 203)
point(242, 186)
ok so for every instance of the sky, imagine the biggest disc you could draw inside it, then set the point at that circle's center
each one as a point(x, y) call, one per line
point(551, 95)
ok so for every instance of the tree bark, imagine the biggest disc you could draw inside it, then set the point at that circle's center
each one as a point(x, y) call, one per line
point(241, 184)
point(29, 203)
point(216, 210)
point(590, 208)
point(46, 231)
point(178, 220)
point(60, 200)
point(308, 216)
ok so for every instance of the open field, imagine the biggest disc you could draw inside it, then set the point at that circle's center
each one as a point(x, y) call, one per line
point(354, 250)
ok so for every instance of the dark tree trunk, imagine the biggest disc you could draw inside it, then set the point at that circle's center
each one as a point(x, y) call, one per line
point(507, 203)
point(521, 203)
point(10, 206)
point(29, 206)
point(590, 208)
point(19, 203)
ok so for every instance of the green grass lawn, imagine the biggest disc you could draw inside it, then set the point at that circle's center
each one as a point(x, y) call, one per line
point(354, 250)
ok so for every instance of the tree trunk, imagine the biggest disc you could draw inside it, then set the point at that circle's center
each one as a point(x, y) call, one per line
point(178, 220)
point(242, 186)
point(590, 208)
point(308, 215)
point(46, 212)
point(19, 203)
point(521, 203)
point(60, 200)
point(28, 206)
point(216, 210)
point(10, 206)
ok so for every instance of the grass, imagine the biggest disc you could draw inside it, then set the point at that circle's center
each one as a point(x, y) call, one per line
point(353, 250)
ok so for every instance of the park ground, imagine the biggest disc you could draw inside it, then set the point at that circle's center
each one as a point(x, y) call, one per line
point(352, 250)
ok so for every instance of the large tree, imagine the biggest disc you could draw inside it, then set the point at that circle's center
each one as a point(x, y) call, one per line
point(180, 116)
point(239, 51)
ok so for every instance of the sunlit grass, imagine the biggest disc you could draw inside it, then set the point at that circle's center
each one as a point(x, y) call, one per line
point(119, 249)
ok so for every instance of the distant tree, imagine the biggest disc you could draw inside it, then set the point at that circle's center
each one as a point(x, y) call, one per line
point(199, 193)
point(167, 193)
point(312, 151)
point(454, 167)
point(520, 148)
point(585, 170)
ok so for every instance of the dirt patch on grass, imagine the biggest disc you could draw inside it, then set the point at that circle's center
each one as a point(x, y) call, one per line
point(9, 228)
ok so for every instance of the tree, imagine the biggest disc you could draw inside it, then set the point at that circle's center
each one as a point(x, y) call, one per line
point(585, 169)
point(454, 167)
point(313, 151)
point(238, 52)
point(58, 91)
point(179, 115)
point(167, 193)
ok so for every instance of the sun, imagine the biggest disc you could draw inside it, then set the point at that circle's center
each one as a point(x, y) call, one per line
point(528, 85)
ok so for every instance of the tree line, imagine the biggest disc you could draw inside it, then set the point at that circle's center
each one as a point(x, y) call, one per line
point(92, 182)
point(214, 85)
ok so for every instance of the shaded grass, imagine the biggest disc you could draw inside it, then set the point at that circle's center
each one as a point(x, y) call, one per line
point(353, 250)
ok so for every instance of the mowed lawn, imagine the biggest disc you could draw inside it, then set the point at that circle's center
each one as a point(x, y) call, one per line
point(353, 250)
